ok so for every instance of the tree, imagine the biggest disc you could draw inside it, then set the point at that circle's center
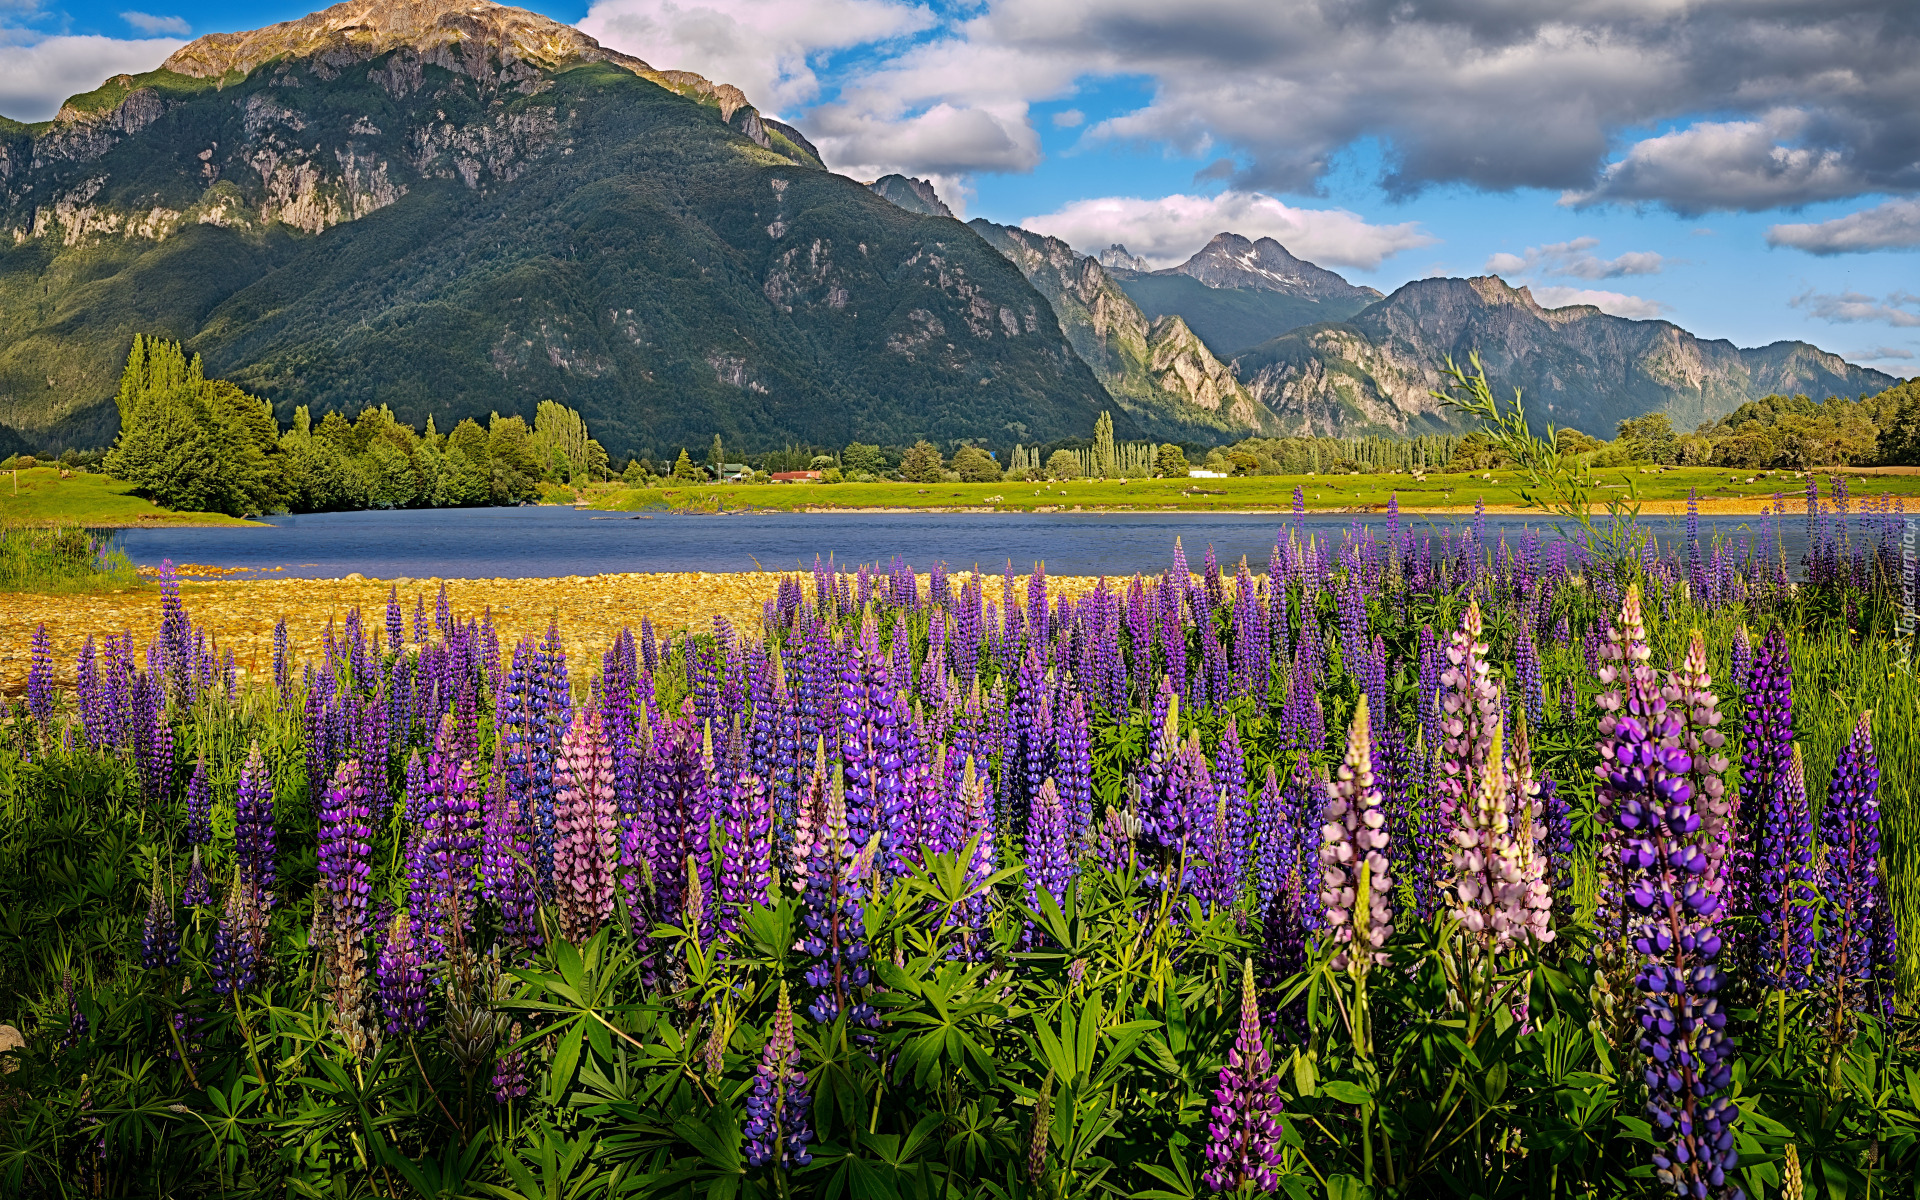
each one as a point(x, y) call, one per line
point(921, 463)
point(858, 457)
point(189, 442)
point(683, 469)
point(560, 443)
point(974, 465)
point(467, 474)
point(1171, 462)
point(1105, 459)
point(1651, 437)
point(717, 457)
point(514, 473)
point(1063, 464)
point(1900, 442)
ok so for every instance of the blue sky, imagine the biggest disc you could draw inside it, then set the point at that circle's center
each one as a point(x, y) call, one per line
point(1746, 169)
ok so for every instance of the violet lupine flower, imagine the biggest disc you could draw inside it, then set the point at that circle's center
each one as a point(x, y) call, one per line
point(199, 805)
point(449, 847)
point(1631, 693)
point(196, 892)
point(1783, 885)
point(863, 688)
point(1236, 828)
point(1050, 858)
point(584, 841)
point(1526, 675)
point(402, 979)
point(506, 864)
point(777, 1130)
point(1243, 1146)
point(1073, 752)
point(234, 943)
point(746, 850)
point(253, 834)
point(152, 741)
point(396, 627)
point(40, 680)
point(835, 934)
point(90, 698)
point(1671, 920)
point(345, 858)
point(1856, 938)
point(159, 937)
point(1767, 750)
point(677, 821)
point(1355, 887)
point(1740, 658)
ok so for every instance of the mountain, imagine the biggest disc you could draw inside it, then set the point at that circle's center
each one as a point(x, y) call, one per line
point(1237, 293)
point(453, 207)
point(1117, 258)
point(1575, 366)
point(914, 195)
point(1157, 371)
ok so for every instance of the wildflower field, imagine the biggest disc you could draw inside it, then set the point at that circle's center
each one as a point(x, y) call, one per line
point(1399, 865)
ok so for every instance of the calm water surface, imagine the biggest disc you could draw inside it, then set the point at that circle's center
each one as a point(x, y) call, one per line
point(488, 543)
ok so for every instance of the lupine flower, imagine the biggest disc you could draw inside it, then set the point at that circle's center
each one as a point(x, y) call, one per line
point(1236, 826)
point(1740, 658)
point(1631, 693)
point(159, 937)
point(1767, 750)
point(345, 857)
point(235, 942)
point(1243, 1134)
point(1670, 920)
point(506, 858)
point(746, 850)
point(199, 805)
point(1783, 885)
point(584, 846)
point(1856, 938)
point(777, 1130)
point(835, 937)
point(1526, 675)
point(196, 892)
point(1050, 861)
point(510, 1072)
point(402, 979)
point(1355, 887)
point(253, 833)
point(1073, 752)
point(40, 680)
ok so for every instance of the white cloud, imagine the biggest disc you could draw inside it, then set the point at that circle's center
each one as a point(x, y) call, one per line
point(1575, 259)
point(1894, 225)
point(1618, 303)
point(1881, 353)
point(1170, 229)
point(153, 26)
point(1070, 118)
point(37, 77)
point(766, 48)
point(1748, 165)
point(1900, 309)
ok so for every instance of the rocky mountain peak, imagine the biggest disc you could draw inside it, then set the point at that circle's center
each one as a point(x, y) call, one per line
point(1233, 261)
point(1118, 258)
point(914, 195)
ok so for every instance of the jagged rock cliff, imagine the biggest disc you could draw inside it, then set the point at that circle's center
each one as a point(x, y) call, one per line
point(914, 195)
point(1158, 372)
point(1576, 366)
point(454, 207)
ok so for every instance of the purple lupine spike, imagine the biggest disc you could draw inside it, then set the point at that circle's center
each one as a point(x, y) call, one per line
point(506, 861)
point(1631, 692)
point(1767, 751)
point(91, 698)
point(1526, 675)
point(196, 892)
point(396, 627)
point(1173, 631)
point(402, 979)
point(1074, 760)
point(233, 958)
point(746, 851)
point(833, 913)
point(199, 830)
point(159, 936)
point(1244, 1142)
point(1783, 885)
point(153, 741)
point(345, 854)
point(777, 1130)
point(1740, 658)
point(40, 681)
point(1230, 779)
point(253, 832)
point(1670, 920)
point(584, 844)
point(863, 674)
point(678, 820)
point(1049, 856)
point(1356, 889)
point(1857, 937)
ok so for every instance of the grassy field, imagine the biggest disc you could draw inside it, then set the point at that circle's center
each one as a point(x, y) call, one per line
point(1661, 491)
point(38, 496)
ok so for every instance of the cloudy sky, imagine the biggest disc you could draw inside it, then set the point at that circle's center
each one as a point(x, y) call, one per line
point(1747, 168)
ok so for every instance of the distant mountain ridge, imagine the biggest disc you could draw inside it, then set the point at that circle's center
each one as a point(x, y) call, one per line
point(1232, 261)
point(914, 195)
point(1576, 366)
point(454, 207)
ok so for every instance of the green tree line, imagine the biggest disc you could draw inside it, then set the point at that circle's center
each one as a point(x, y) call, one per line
point(189, 442)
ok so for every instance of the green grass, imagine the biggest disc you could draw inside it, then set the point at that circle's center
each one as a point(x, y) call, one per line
point(60, 559)
point(1323, 492)
point(38, 496)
